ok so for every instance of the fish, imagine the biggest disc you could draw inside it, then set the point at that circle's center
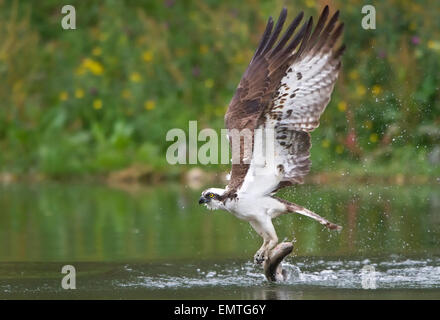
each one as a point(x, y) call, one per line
point(272, 267)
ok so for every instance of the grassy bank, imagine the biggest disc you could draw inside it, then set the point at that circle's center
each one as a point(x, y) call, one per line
point(98, 99)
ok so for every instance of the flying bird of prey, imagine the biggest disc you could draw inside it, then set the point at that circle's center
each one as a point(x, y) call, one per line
point(286, 87)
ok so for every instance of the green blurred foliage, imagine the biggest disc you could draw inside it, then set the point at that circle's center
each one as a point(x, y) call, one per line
point(103, 96)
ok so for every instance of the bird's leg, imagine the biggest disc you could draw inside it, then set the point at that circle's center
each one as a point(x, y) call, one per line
point(259, 256)
point(292, 207)
point(265, 229)
point(272, 240)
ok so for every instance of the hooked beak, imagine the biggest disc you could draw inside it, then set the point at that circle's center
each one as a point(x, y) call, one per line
point(202, 200)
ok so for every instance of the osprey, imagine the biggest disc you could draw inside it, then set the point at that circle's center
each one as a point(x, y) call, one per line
point(286, 87)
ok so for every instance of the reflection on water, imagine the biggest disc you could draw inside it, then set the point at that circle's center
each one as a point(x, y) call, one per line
point(158, 243)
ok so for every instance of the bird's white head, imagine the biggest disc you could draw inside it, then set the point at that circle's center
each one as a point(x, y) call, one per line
point(211, 198)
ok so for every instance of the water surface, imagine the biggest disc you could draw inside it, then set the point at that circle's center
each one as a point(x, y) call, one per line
point(157, 243)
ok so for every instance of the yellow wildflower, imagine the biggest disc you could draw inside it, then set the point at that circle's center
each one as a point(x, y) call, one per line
point(360, 90)
point(434, 45)
point(135, 77)
point(90, 65)
point(353, 75)
point(64, 95)
point(325, 143)
point(97, 104)
point(97, 51)
point(203, 49)
point(310, 3)
point(94, 67)
point(126, 94)
point(342, 106)
point(374, 137)
point(149, 105)
point(209, 83)
point(339, 149)
point(79, 93)
point(376, 90)
point(147, 56)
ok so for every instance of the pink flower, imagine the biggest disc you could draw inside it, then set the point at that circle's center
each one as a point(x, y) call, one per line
point(415, 40)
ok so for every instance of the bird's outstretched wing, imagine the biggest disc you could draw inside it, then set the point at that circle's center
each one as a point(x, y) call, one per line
point(286, 87)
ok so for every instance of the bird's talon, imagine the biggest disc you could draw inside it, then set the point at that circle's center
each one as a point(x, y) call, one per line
point(259, 258)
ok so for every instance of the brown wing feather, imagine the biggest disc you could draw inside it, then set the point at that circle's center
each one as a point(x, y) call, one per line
point(261, 93)
point(301, 97)
point(259, 82)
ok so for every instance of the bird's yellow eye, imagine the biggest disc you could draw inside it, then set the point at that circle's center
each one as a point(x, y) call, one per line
point(211, 195)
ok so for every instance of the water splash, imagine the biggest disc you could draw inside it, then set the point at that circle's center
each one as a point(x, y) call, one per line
point(392, 273)
point(307, 277)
